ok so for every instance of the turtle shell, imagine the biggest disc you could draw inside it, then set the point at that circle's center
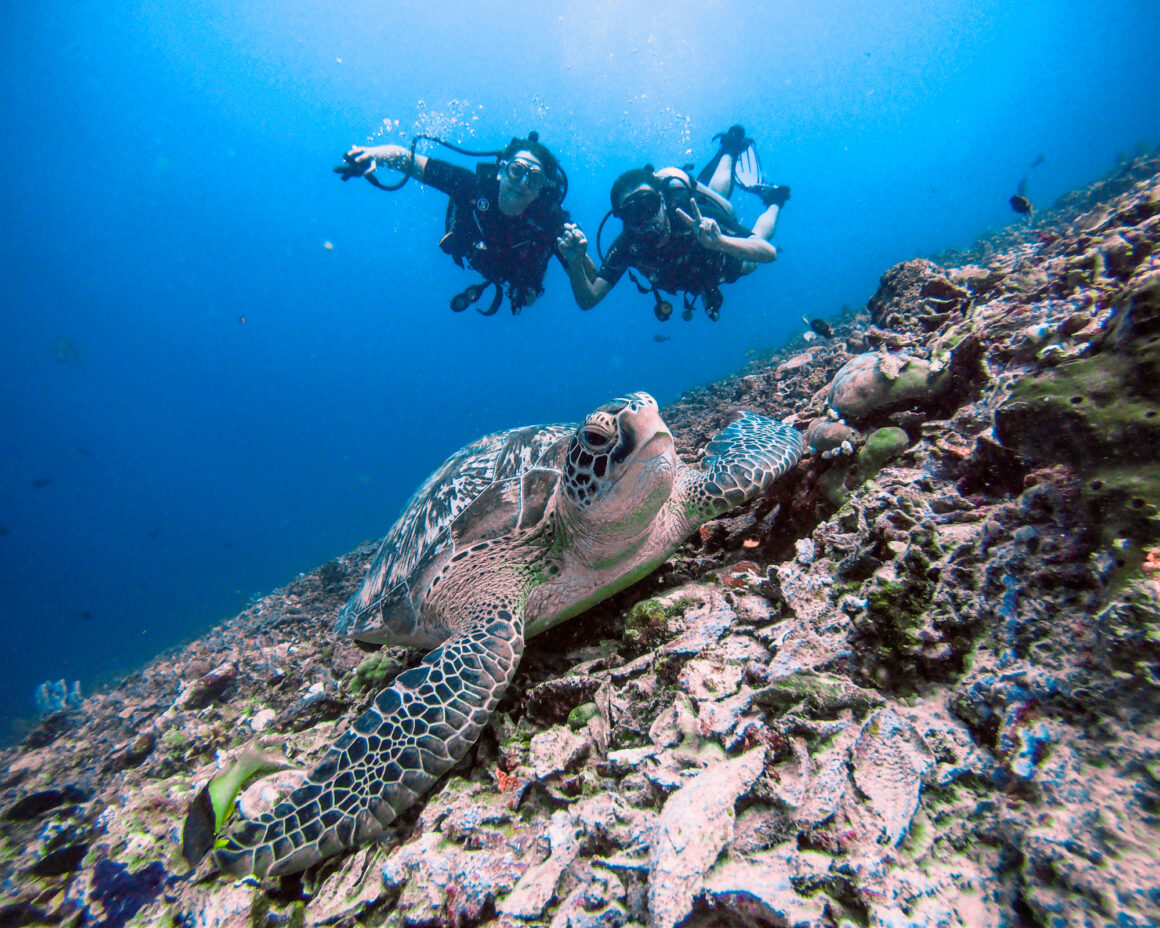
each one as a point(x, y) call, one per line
point(497, 484)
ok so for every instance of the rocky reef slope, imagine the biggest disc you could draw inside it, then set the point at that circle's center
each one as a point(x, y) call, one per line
point(917, 685)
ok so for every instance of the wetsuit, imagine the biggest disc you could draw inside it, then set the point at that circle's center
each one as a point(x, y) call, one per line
point(513, 250)
point(679, 263)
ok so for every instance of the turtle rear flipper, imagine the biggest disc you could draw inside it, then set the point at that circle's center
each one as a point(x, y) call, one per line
point(741, 462)
point(417, 729)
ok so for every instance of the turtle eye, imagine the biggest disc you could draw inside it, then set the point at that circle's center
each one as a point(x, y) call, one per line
point(593, 438)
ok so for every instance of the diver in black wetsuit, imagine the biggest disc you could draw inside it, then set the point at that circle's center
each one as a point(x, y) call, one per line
point(503, 219)
point(680, 232)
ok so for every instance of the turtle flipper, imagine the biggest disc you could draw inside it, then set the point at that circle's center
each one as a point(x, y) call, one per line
point(744, 460)
point(415, 731)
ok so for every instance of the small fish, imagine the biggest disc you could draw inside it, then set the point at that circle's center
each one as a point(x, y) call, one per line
point(3, 530)
point(662, 338)
point(86, 615)
point(820, 326)
point(241, 320)
point(1021, 205)
point(1039, 159)
point(85, 451)
point(41, 482)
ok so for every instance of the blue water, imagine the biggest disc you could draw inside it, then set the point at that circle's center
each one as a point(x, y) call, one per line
point(166, 171)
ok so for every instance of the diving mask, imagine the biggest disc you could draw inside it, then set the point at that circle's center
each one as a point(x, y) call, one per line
point(641, 209)
point(524, 172)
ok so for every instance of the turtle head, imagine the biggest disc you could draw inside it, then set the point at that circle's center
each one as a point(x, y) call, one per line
point(621, 464)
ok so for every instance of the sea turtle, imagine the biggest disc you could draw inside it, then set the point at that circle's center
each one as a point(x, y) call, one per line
point(513, 534)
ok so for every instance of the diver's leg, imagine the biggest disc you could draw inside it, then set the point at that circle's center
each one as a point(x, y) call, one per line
point(767, 221)
point(722, 180)
point(718, 174)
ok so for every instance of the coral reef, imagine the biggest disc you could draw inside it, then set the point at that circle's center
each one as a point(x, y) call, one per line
point(57, 696)
point(917, 684)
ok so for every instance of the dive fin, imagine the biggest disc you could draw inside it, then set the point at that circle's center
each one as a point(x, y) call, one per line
point(770, 194)
point(747, 168)
point(732, 142)
point(495, 300)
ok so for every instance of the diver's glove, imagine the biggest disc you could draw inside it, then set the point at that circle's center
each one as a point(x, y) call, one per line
point(353, 167)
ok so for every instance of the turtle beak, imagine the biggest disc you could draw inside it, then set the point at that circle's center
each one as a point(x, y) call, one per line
point(643, 433)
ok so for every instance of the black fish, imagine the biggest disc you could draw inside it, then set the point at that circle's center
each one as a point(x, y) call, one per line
point(87, 616)
point(197, 835)
point(85, 451)
point(1021, 205)
point(41, 482)
point(1039, 159)
point(820, 326)
point(662, 338)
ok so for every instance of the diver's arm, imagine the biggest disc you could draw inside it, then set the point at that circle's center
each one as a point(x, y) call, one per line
point(587, 286)
point(391, 156)
point(751, 248)
point(709, 235)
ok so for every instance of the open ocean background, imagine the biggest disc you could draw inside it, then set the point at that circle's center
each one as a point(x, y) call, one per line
point(166, 171)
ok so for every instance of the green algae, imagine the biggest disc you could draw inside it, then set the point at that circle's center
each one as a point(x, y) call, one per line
point(820, 691)
point(898, 604)
point(375, 672)
point(882, 445)
point(913, 379)
point(832, 484)
point(174, 740)
point(901, 606)
point(580, 716)
point(647, 623)
point(1099, 416)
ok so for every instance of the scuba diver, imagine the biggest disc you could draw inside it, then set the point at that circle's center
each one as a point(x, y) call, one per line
point(503, 219)
point(680, 232)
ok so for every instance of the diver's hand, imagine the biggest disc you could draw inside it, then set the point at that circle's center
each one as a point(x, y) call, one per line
point(708, 232)
point(362, 160)
point(572, 244)
point(358, 162)
point(368, 157)
point(355, 163)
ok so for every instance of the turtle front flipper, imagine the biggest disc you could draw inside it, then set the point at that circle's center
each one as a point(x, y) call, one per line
point(415, 731)
point(744, 460)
